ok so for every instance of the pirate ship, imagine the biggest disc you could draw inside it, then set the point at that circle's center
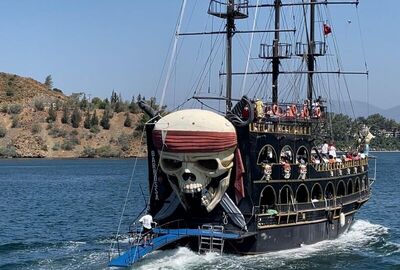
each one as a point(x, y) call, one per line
point(254, 179)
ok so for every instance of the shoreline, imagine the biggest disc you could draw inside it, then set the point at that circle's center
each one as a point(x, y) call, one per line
point(138, 157)
point(70, 158)
point(385, 151)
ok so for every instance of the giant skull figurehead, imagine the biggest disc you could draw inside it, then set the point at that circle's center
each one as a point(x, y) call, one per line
point(196, 150)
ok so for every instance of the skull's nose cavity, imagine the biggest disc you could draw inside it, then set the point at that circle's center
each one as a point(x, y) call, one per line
point(189, 176)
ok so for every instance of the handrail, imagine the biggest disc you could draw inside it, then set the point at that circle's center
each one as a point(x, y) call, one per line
point(336, 203)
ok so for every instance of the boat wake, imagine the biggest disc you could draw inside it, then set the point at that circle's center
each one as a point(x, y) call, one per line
point(362, 239)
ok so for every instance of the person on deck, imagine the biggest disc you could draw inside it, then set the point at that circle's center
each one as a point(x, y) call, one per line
point(147, 221)
point(259, 106)
point(324, 149)
point(332, 150)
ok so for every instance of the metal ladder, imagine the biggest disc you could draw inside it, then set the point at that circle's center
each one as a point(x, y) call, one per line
point(211, 243)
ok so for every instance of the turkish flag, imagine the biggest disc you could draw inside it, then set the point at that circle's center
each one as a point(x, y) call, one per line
point(327, 29)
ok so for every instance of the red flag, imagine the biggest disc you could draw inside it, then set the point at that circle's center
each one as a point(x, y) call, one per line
point(327, 29)
point(239, 187)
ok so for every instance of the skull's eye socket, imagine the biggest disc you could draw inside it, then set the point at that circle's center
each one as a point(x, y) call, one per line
point(208, 164)
point(171, 164)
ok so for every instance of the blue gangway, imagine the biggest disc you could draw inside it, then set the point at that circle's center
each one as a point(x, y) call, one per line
point(166, 236)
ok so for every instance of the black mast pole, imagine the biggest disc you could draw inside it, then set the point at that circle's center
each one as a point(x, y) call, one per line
point(275, 59)
point(310, 55)
point(230, 27)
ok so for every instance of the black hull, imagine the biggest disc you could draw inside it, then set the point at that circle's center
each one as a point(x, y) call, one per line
point(283, 238)
point(280, 238)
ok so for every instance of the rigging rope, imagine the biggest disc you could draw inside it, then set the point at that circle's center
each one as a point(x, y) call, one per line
point(128, 191)
point(364, 56)
point(249, 52)
point(173, 54)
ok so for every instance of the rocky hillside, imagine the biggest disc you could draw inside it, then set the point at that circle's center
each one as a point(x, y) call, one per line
point(24, 91)
point(36, 121)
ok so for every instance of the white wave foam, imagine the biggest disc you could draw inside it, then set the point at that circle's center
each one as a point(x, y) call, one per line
point(361, 235)
point(180, 258)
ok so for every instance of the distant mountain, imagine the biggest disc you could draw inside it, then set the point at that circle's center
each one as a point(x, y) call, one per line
point(363, 109)
point(393, 113)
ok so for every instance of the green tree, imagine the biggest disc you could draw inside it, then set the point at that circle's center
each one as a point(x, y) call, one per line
point(114, 98)
point(96, 101)
point(15, 121)
point(120, 107)
point(128, 121)
point(15, 109)
point(87, 122)
point(105, 120)
point(52, 115)
point(104, 104)
point(65, 117)
point(3, 131)
point(39, 105)
point(49, 82)
point(84, 104)
point(133, 106)
point(76, 118)
point(94, 121)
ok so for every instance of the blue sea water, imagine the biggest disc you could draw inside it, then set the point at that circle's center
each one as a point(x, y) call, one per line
point(61, 214)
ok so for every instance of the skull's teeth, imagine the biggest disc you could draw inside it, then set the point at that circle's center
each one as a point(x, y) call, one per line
point(192, 188)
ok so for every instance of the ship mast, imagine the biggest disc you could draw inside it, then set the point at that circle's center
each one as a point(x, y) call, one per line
point(230, 27)
point(275, 59)
point(310, 53)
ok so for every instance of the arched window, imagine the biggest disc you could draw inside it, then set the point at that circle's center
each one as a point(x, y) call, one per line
point(267, 155)
point(285, 195)
point(341, 189)
point(315, 157)
point(316, 192)
point(302, 155)
point(363, 183)
point(350, 187)
point(329, 191)
point(302, 194)
point(268, 198)
point(357, 185)
point(286, 154)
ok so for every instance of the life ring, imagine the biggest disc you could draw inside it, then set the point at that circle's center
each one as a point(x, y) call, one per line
point(318, 112)
point(293, 108)
point(306, 113)
point(275, 109)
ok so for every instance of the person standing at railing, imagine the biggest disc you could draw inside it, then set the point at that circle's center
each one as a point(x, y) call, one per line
point(259, 110)
point(332, 150)
point(147, 222)
point(324, 149)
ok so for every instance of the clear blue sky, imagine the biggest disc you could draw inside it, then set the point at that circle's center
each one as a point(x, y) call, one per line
point(96, 46)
